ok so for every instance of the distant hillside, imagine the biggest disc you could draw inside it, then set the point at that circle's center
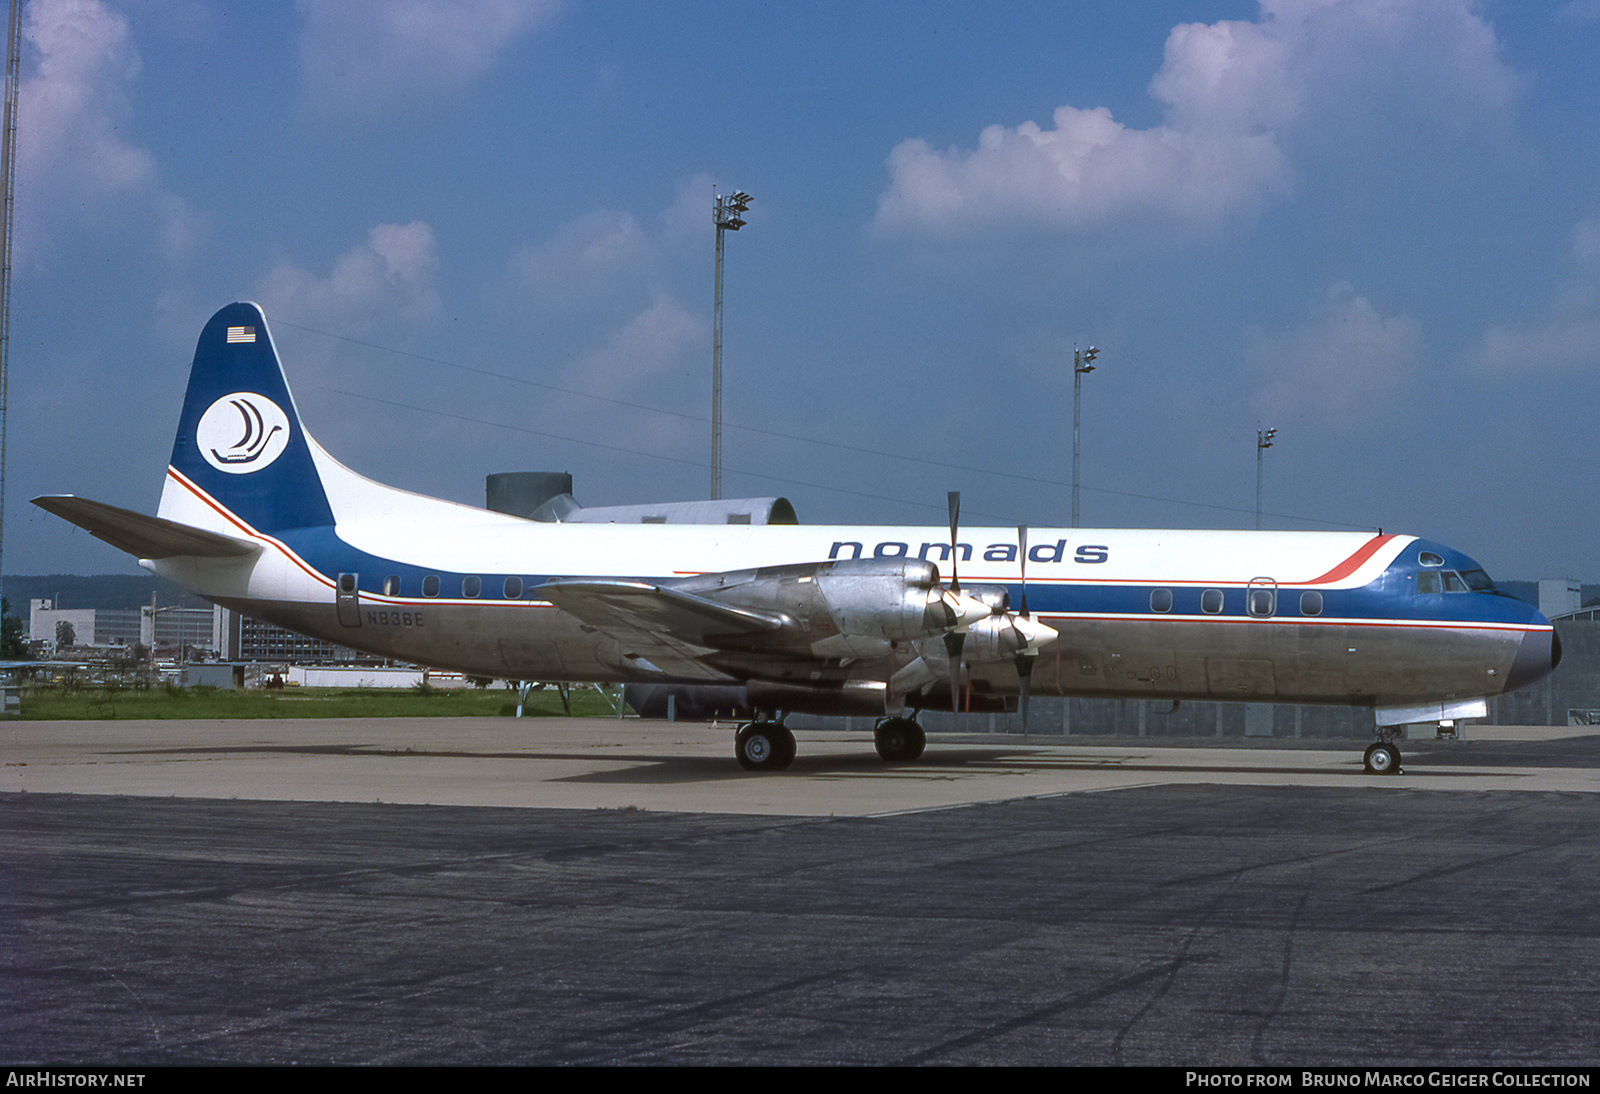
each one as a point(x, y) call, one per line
point(108, 591)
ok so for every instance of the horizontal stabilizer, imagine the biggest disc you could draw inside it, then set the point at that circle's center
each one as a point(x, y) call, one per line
point(144, 536)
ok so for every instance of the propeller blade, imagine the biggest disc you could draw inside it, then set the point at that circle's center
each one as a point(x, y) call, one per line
point(955, 640)
point(1024, 662)
point(1022, 557)
point(952, 647)
point(955, 518)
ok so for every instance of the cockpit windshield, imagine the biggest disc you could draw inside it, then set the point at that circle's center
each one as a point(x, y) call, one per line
point(1454, 581)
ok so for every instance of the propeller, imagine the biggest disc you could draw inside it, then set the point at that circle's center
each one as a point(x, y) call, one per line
point(1025, 655)
point(956, 639)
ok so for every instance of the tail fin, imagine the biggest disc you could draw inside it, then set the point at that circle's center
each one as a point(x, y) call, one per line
point(240, 444)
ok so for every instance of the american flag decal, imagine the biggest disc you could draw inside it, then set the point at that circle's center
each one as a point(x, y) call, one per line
point(241, 334)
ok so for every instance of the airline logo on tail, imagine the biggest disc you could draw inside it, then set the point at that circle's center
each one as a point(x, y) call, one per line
point(242, 433)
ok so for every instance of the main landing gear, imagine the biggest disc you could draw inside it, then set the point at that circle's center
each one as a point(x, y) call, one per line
point(899, 740)
point(764, 746)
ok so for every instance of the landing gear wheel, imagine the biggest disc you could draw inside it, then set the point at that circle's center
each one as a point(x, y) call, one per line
point(764, 746)
point(1383, 758)
point(899, 740)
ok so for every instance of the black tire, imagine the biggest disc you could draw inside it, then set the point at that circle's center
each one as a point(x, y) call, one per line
point(1382, 758)
point(1394, 759)
point(786, 745)
point(899, 740)
point(764, 746)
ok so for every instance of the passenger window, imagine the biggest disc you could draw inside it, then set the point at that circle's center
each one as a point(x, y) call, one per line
point(430, 585)
point(471, 587)
point(1161, 600)
point(513, 588)
point(1427, 583)
point(1262, 603)
point(1211, 601)
point(1310, 603)
point(391, 585)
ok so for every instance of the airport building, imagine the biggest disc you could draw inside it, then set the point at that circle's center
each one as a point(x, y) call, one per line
point(178, 634)
point(52, 631)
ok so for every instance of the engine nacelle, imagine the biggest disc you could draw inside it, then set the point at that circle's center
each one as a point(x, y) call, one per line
point(896, 600)
point(1003, 637)
point(997, 597)
point(848, 608)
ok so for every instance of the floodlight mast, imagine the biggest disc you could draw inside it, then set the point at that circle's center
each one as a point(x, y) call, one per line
point(1080, 366)
point(1263, 442)
point(8, 169)
point(727, 214)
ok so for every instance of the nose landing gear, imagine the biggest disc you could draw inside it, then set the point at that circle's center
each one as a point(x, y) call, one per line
point(1382, 758)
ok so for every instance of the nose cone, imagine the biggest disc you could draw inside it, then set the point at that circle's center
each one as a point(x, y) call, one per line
point(1035, 635)
point(965, 610)
point(1537, 655)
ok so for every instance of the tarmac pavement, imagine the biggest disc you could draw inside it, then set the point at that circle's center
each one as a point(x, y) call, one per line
point(461, 891)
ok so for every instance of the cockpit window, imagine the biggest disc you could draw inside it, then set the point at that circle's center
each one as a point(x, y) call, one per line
point(1450, 581)
point(1428, 558)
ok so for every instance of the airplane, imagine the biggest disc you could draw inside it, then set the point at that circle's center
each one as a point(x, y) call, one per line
point(789, 618)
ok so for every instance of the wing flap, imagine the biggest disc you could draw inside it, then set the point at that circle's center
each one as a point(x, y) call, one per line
point(144, 536)
point(658, 627)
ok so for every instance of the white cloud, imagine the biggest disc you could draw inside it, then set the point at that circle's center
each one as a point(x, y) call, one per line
point(1586, 242)
point(584, 258)
point(74, 166)
point(389, 277)
point(646, 344)
point(609, 253)
point(1568, 336)
point(1559, 342)
point(1348, 363)
point(75, 99)
point(606, 287)
point(687, 221)
point(1087, 169)
point(1235, 92)
point(365, 58)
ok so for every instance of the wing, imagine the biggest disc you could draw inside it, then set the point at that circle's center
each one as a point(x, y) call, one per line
point(660, 629)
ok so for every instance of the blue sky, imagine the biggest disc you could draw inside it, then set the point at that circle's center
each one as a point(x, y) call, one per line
point(482, 233)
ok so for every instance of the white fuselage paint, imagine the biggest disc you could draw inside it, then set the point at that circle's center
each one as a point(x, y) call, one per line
point(1368, 660)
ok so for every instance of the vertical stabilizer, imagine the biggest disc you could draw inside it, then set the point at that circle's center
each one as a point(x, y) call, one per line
point(240, 444)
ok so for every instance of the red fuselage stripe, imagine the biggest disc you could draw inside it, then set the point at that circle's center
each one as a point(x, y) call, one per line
point(1350, 565)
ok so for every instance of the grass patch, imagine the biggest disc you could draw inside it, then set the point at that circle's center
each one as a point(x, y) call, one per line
point(49, 702)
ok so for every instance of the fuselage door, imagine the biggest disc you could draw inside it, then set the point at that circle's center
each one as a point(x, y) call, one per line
point(347, 598)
